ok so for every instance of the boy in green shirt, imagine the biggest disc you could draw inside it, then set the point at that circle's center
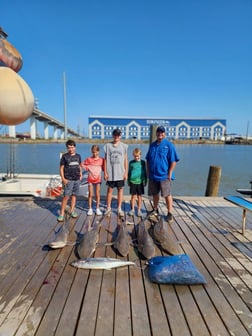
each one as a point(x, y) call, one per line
point(137, 179)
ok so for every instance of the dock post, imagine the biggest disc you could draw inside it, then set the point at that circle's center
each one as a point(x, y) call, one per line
point(213, 181)
point(153, 130)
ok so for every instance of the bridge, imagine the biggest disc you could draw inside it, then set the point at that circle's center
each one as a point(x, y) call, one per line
point(58, 127)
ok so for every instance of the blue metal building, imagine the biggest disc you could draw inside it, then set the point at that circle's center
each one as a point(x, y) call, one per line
point(101, 127)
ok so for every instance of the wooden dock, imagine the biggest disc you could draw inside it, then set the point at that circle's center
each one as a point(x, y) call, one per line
point(42, 294)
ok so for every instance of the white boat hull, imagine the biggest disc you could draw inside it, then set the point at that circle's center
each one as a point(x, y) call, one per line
point(37, 185)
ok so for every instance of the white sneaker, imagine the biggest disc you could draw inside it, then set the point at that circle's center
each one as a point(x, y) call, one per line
point(90, 212)
point(120, 213)
point(108, 212)
point(139, 214)
point(98, 212)
point(131, 213)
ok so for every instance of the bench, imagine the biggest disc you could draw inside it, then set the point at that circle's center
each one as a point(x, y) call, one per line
point(244, 204)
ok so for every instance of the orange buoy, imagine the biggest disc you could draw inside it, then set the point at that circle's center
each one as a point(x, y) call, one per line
point(16, 98)
point(57, 191)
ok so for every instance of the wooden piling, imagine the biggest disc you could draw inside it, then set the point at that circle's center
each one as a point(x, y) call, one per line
point(153, 130)
point(213, 181)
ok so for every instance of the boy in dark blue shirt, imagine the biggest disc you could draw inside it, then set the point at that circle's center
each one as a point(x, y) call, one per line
point(71, 175)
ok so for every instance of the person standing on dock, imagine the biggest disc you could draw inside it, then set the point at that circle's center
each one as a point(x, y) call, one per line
point(115, 169)
point(71, 175)
point(161, 161)
point(94, 165)
point(137, 179)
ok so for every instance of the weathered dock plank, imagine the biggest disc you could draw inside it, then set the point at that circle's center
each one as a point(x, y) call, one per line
point(42, 294)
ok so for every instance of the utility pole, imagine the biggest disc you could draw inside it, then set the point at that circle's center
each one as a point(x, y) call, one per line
point(65, 106)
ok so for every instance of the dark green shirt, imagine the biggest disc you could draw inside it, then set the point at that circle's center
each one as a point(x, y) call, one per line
point(137, 172)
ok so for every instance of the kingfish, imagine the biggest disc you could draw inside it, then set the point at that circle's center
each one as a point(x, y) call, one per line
point(101, 263)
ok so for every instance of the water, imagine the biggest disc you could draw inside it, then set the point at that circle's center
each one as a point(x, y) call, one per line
point(191, 172)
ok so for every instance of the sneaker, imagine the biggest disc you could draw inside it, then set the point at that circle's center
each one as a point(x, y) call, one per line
point(90, 212)
point(139, 214)
point(169, 218)
point(120, 213)
point(131, 213)
point(108, 212)
point(60, 218)
point(74, 214)
point(153, 215)
point(98, 212)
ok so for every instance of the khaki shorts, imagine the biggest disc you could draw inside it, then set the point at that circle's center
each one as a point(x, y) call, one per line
point(154, 188)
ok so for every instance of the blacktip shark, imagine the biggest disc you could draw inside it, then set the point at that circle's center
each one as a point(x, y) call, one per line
point(61, 236)
point(121, 243)
point(162, 235)
point(145, 243)
point(88, 241)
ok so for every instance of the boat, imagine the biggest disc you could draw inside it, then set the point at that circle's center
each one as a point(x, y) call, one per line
point(36, 185)
point(245, 191)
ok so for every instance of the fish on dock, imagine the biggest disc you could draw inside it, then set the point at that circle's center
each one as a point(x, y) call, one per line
point(161, 234)
point(88, 242)
point(101, 263)
point(61, 238)
point(121, 243)
point(145, 242)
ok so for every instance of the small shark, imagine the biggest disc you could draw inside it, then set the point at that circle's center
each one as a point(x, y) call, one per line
point(61, 236)
point(145, 243)
point(121, 243)
point(88, 242)
point(162, 235)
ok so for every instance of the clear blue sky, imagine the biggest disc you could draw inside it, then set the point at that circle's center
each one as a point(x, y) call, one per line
point(165, 58)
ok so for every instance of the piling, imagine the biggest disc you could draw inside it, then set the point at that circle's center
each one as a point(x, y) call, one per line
point(213, 181)
point(153, 130)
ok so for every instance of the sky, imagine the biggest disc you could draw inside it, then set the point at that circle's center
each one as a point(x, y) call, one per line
point(162, 58)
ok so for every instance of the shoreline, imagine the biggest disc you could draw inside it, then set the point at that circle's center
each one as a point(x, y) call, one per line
point(133, 141)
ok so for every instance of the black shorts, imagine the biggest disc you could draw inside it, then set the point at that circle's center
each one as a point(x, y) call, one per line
point(115, 184)
point(136, 189)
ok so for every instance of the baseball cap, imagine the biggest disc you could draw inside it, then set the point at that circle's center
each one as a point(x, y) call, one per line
point(117, 131)
point(161, 129)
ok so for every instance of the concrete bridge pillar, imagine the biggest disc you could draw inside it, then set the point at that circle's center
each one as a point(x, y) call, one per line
point(55, 132)
point(12, 131)
point(33, 127)
point(46, 130)
point(62, 134)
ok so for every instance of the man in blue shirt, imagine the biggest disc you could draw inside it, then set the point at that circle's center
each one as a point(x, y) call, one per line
point(161, 161)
